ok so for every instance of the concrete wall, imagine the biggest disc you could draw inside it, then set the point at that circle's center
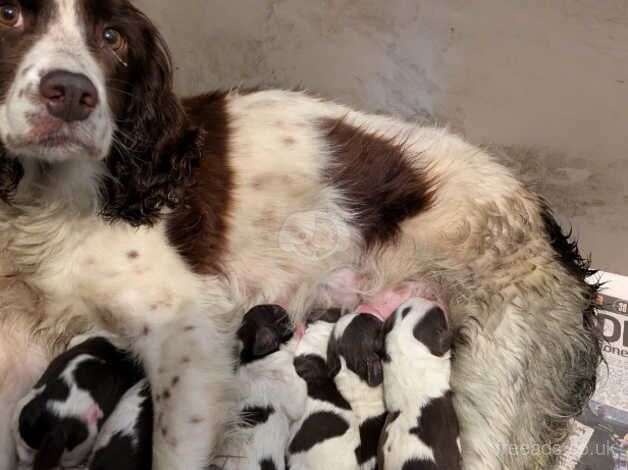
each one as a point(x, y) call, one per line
point(544, 83)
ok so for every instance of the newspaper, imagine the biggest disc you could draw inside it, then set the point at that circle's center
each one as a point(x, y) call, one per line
point(600, 438)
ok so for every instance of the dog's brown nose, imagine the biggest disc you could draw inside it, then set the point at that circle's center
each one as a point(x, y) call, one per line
point(68, 96)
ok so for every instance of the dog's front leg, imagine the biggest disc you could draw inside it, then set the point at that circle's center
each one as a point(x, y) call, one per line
point(190, 367)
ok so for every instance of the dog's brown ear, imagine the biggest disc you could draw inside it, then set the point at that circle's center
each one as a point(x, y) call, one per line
point(11, 173)
point(154, 152)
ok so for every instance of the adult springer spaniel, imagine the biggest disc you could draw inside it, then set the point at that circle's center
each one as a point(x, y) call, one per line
point(127, 208)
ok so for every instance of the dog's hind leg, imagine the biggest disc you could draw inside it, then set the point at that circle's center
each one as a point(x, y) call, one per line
point(519, 375)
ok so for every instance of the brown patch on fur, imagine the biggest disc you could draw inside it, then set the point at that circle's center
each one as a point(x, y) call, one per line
point(133, 254)
point(196, 420)
point(185, 360)
point(198, 226)
point(175, 381)
point(146, 331)
point(289, 141)
point(378, 184)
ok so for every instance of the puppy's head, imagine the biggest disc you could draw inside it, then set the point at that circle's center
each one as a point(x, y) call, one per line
point(417, 322)
point(264, 329)
point(86, 81)
point(58, 421)
point(54, 427)
point(355, 344)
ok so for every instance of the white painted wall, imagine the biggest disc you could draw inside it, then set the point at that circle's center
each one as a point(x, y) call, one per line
point(547, 80)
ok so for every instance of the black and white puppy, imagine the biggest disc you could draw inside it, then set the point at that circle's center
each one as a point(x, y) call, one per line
point(355, 364)
point(125, 440)
point(58, 421)
point(421, 430)
point(273, 395)
point(325, 436)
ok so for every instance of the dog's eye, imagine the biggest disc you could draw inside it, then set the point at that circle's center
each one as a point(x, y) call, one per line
point(113, 39)
point(10, 15)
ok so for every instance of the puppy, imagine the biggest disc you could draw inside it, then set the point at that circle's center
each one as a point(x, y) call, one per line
point(421, 430)
point(354, 363)
point(58, 421)
point(273, 393)
point(325, 436)
point(125, 440)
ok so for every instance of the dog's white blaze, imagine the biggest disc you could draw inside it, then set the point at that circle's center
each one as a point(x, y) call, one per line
point(62, 46)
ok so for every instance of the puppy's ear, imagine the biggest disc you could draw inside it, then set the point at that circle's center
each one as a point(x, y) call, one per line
point(374, 370)
point(31, 426)
point(266, 342)
point(310, 367)
point(444, 340)
point(380, 341)
point(49, 454)
point(333, 358)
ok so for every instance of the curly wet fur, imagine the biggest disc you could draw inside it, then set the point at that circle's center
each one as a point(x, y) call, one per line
point(153, 172)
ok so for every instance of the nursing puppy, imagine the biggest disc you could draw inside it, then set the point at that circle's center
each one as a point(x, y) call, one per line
point(273, 394)
point(421, 430)
point(354, 363)
point(125, 440)
point(327, 433)
point(58, 421)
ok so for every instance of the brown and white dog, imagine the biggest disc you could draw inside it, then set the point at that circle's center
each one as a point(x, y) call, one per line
point(131, 209)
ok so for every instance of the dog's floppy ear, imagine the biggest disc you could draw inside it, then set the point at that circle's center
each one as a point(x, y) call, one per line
point(51, 450)
point(154, 151)
point(11, 173)
point(333, 357)
point(374, 370)
point(380, 341)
